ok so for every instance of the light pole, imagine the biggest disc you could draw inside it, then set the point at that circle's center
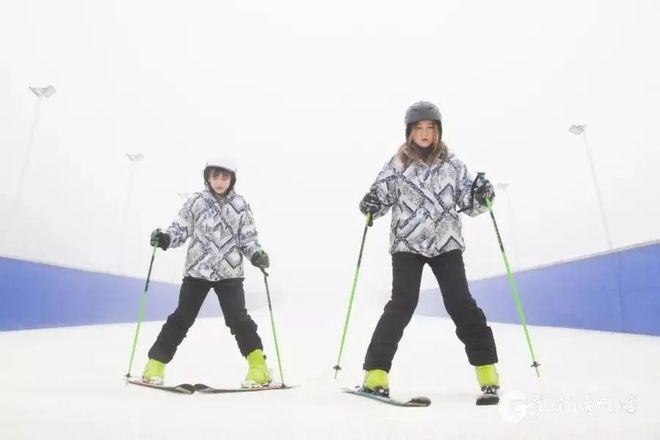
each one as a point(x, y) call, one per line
point(133, 158)
point(514, 242)
point(581, 130)
point(40, 93)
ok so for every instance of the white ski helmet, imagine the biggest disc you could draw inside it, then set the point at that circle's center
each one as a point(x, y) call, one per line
point(225, 162)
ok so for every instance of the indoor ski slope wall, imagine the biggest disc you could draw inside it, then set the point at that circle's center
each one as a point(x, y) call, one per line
point(619, 292)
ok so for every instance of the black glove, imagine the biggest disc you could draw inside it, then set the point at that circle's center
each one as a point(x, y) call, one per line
point(483, 190)
point(160, 239)
point(260, 259)
point(370, 203)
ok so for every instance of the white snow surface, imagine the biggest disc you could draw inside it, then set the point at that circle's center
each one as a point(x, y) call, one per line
point(67, 383)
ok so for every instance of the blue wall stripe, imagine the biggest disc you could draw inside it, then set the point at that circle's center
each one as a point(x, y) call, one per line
point(35, 295)
point(613, 292)
point(617, 292)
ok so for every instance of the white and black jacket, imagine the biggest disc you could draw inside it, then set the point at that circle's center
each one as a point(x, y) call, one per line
point(221, 232)
point(425, 200)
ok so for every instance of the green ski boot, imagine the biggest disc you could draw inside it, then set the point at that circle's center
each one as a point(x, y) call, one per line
point(154, 372)
point(489, 381)
point(487, 376)
point(258, 374)
point(376, 381)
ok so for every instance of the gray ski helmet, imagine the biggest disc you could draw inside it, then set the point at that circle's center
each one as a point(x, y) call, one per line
point(422, 111)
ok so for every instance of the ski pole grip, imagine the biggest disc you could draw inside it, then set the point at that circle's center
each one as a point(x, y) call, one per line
point(480, 175)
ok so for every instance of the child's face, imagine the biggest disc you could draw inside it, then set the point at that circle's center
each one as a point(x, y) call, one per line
point(220, 181)
point(423, 133)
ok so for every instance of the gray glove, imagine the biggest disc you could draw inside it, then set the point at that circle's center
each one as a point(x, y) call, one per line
point(370, 203)
point(483, 190)
point(160, 239)
point(260, 259)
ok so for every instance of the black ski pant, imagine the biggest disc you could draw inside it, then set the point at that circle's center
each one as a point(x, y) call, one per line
point(193, 292)
point(470, 321)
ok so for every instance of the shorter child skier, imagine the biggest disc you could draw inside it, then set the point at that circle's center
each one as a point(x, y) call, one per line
point(221, 229)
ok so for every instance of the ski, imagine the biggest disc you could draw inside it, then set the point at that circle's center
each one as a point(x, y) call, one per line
point(489, 396)
point(414, 402)
point(184, 388)
point(205, 389)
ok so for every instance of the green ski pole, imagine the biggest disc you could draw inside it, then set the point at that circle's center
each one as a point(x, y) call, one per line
point(350, 301)
point(514, 289)
point(272, 324)
point(143, 305)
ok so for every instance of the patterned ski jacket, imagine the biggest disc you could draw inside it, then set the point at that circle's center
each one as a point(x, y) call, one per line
point(220, 232)
point(425, 200)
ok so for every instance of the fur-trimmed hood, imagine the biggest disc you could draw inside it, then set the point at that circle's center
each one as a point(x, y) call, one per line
point(410, 152)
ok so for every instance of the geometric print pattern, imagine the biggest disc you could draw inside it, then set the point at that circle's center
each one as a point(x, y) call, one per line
point(220, 233)
point(424, 200)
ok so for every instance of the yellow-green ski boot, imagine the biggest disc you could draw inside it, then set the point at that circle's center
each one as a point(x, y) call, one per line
point(258, 374)
point(377, 382)
point(489, 382)
point(154, 372)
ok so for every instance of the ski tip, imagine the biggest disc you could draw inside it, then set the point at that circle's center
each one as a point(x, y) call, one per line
point(185, 388)
point(487, 400)
point(421, 400)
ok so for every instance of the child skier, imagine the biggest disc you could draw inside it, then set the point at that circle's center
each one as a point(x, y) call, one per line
point(426, 185)
point(221, 229)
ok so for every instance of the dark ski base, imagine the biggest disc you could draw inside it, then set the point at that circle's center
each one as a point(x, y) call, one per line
point(489, 396)
point(184, 388)
point(414, 402)
point(205, 389)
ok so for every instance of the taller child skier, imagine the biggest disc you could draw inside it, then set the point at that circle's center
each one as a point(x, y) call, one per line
point(426, 185)
point(220, 226)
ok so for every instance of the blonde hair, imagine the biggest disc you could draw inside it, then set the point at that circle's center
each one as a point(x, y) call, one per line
point(410, 152)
